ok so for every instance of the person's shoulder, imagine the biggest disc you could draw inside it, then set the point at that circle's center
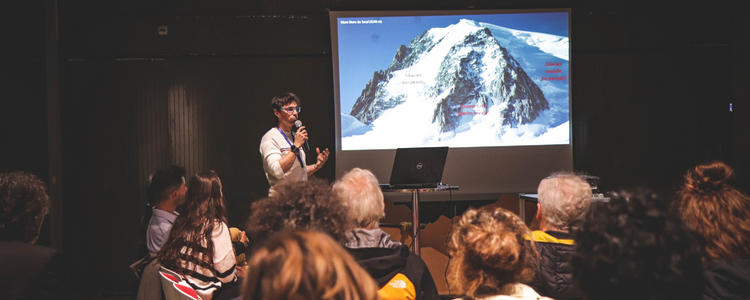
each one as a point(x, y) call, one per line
point(159, 229)
point(221, 229)
point(161, 218)
point(271, 133)
point(270, 138)
point(552, 237)
point(29, 256)
point(25, 249)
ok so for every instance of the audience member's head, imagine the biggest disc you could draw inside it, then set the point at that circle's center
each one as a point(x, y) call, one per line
point(564, 198)
point(308, 204)
point(166, 184)
point(711, 207)
point(192, 230)
point(360, 190)
point(489, 251)
point(283, 100)
point(306, 265)
point(23, 204)
point(631, 248)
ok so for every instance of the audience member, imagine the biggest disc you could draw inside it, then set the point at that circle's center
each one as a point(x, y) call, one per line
point(166, 190)
point(199, 246)
point(306, 204)
point(711, 207)
point(491, 256)
point(564, 199)
point(631, 248)
point(305, 265)
point(27, 271)
point(388, 261)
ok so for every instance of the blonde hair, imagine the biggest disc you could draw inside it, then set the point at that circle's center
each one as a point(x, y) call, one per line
point(306, 265)
point(360, 190)
point(489, 250)
point(714, 209)
point(564, 198)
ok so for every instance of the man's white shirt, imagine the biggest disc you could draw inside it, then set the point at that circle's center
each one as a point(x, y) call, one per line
point(273, 146)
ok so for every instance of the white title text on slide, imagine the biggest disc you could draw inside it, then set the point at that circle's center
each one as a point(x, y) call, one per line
point(361, 22)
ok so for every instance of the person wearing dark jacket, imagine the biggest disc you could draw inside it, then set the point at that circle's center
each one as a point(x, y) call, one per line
point(27, 271)
point(632, 248)
point(563, 199)
point(727, 279)
point(399, 273)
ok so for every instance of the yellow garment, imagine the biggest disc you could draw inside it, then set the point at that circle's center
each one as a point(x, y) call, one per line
point(399, 288)
point(543, 237)
point(235, 236)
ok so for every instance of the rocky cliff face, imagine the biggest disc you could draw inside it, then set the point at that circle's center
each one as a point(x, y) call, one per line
point(476, 71)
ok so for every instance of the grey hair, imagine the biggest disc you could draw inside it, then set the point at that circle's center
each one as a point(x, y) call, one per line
point(564, 198)
point(360, 190)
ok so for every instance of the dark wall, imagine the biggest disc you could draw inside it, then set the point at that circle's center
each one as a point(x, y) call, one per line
point(23, 88)
point(23, 109)
point(651, 86)
point(651, 93)
point(740, 61)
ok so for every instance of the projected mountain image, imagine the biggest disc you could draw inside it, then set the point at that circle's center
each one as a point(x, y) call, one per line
point(468, 84)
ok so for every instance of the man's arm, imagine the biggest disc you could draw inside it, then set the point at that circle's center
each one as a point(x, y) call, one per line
point(279, 164)
point(276, 164)
point(286, 162)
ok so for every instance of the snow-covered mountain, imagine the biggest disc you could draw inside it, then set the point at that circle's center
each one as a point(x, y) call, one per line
point(453, 84)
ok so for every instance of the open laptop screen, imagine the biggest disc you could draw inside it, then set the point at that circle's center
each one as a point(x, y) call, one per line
point(414, 166)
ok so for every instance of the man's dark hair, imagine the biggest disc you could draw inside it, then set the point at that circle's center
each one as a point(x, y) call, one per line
point(306, 204)
point(632, 248)
point(23, 205)
point(162, 182)
point(282, 100)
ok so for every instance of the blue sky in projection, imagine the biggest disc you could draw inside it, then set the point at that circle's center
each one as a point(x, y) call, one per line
point(367, 48)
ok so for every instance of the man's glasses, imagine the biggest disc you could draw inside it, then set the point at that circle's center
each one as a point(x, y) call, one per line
point(291, 109)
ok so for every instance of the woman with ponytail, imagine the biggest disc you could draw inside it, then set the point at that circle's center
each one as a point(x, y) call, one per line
point(714, 209)
point(199, 246)
point(491, 255)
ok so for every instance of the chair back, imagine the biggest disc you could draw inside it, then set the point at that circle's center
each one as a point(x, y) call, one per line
point(170, 272)
point(186, 292)
point(175, 287)
point(167, 285)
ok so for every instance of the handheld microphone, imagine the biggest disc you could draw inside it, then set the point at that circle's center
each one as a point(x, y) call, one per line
point(298, 123)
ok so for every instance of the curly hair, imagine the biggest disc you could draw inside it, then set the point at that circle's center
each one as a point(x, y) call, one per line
point(308, 204)
point(711, 207)
point(306, 265)
point(359, 189)
point(23, 204)
point(193, 229)
point(489, 250)
point(281, 100)
point(564, 198)
point(632, 248)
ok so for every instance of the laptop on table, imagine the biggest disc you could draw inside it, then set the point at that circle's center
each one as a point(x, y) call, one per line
point(417, 168)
